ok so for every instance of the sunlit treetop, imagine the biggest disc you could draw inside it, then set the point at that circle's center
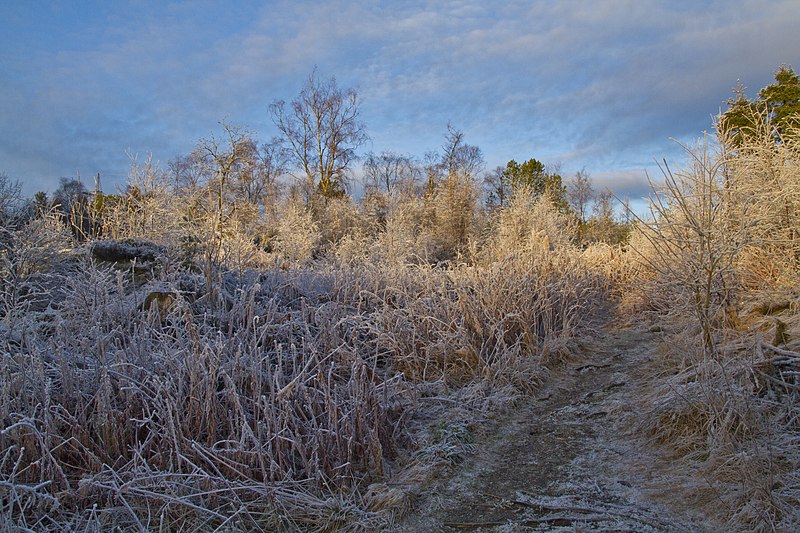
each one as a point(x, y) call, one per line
point(782, 98)
point(777, 105)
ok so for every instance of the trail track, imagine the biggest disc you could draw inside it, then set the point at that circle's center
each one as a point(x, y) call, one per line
point(571, 458)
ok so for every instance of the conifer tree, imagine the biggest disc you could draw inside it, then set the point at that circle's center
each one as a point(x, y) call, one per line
point(777, 103)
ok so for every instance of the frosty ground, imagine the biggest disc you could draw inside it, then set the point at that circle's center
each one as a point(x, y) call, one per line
point(571, 458)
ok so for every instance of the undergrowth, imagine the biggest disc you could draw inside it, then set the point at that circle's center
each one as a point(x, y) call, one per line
point(166, 396)
point(718, 272)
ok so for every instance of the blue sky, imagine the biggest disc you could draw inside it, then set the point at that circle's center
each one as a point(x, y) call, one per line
point(600, 85)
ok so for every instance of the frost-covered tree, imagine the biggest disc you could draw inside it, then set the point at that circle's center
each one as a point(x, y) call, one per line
point(10, 198)
point(456, 197)
point(580, 193)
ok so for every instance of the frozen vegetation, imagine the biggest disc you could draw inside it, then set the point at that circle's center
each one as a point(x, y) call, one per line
point(215, 348)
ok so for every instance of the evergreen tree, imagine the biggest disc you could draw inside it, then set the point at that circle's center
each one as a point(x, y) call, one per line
point(782, 99)
point(741, 118)
point(533, 176)
point(777, 103)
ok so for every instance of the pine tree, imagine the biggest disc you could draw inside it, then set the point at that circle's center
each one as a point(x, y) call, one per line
point(782, 99)
point(778, 104)
point(531, 175)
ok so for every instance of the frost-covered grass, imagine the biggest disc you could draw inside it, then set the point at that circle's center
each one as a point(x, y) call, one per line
point(272, 401)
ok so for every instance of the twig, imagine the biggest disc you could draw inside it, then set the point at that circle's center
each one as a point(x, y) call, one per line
point(32, 489)
point(780, 351)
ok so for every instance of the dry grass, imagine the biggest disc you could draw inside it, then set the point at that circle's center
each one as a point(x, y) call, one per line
point(200, 417)
point(463, 323)
point(733, 421)
point(273, 400)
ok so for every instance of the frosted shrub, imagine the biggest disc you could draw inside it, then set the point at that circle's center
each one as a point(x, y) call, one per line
point(609, 263)
point(530, 223)
point(336, 218)
point(455, 206)
point(147, 210)
point(718, 254)
point(37, 246)
point(763, 187)
point(400, 243)
point(239, 252)
point(298, 236)
point(352, 248)
point(239, 249)
point(38, 249)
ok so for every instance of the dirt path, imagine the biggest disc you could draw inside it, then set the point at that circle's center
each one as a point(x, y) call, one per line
point(569, 459)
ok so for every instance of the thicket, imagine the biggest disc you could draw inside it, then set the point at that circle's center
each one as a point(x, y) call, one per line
point(718, 269)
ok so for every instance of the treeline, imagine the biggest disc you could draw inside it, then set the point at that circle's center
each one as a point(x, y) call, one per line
point(289, 196)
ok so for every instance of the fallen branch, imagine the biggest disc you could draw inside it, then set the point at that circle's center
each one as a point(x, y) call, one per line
point(779, 382)
point(543, 507)
point(780, 351)
point(591, 367)
point(563, 521)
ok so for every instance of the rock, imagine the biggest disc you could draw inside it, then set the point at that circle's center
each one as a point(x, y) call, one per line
point(126, 250)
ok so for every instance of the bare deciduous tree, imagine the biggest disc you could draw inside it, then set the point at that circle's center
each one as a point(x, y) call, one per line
point(603, 223)
point(273, 162)
point(432, 168)
point(187, 173)
point(223, 159)
point(390, 173)
point(70, 191)
point(459, 158)
point(322, 129)
point(580, 193)
point(10, 197)
point(498, 193)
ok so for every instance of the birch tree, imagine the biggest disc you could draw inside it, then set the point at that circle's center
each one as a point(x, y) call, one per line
point(323, 131)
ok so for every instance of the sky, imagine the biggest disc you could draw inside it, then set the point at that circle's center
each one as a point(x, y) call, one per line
point(609, 86)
